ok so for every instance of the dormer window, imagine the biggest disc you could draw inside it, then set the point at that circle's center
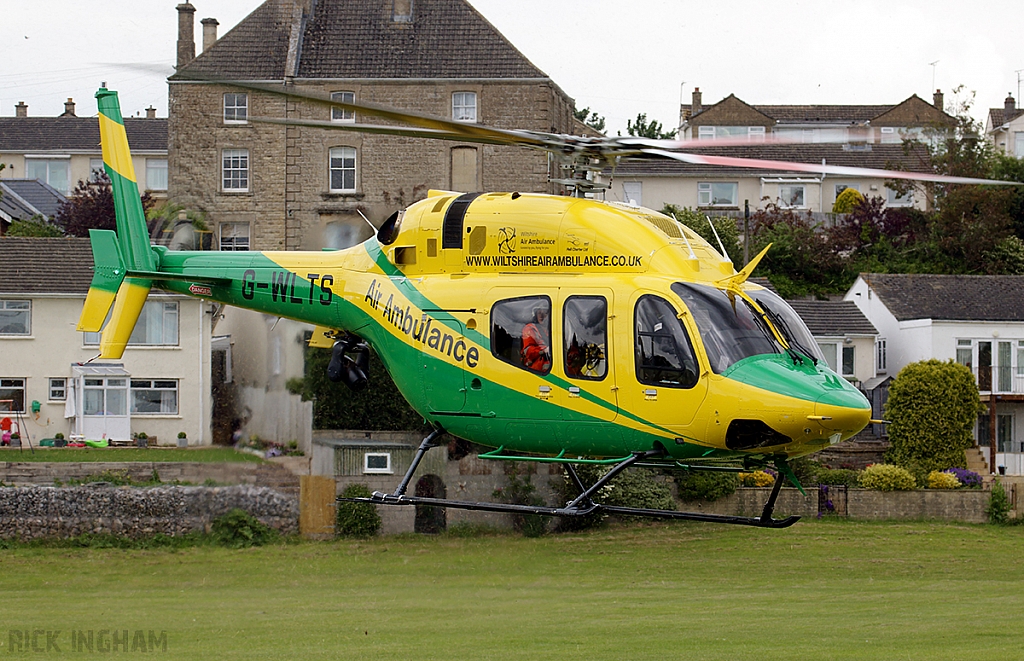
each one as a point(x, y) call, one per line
point(402, 12)
point(464, 106)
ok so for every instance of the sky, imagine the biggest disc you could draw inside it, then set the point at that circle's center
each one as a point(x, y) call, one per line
point(616, 57)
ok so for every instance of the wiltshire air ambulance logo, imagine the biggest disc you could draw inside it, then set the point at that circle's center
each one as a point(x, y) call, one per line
point(507, 240)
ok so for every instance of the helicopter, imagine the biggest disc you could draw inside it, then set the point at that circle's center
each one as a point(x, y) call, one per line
point(550, 328)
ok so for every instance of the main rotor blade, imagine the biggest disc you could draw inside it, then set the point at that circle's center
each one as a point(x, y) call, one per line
point(407, 131)
point(421, 120)
point(701, 143)
point(788, 166)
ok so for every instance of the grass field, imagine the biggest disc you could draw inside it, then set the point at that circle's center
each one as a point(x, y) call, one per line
point(819, 590)
point(205, 454)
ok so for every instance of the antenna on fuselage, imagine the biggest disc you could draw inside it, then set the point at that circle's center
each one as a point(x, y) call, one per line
point(724, 254)
point(692, 256)
point(367, 221)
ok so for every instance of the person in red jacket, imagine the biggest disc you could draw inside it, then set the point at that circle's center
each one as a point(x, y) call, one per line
point(536, 351)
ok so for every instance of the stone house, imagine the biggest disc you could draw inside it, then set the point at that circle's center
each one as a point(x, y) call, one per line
point(1004, 128)
point(161, 387)
point(868, 136)
point(61, 151)
point(977, 321)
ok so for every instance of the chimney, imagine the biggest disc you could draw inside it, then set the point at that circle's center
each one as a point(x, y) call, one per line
point(209, 32)
point(69, 108)
point(21, 110)
point(186, 34)
point(1009, 105)
point(695, 106)
point(151, 113)
point(937, 101)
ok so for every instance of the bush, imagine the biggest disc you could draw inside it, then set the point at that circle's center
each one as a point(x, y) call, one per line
point(932, 406)
point(706, 485)
point(839, 476)
point(758, 478)
point(968, 479)
point(887, 477)
point(636, 487)
point(239, 529)
point(998, 508)
point(357, 519)
point(943, 480)
point(847, 201)
point(523, 492)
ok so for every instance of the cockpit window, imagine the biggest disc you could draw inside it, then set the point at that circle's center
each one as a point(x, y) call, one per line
point(664, 355)
point(729, 327)
point(788, 323)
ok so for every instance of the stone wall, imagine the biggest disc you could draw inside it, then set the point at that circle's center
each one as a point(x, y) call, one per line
point(35, 512)
point(13, 473)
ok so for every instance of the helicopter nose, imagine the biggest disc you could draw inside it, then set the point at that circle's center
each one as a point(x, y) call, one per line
point(843, 409)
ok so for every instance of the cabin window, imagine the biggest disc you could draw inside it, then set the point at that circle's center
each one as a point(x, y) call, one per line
point(664, 354)
point(585, 337)
point(15, 317)
point(154, 397)
point(729, 327)
point(464, 106)
point(236, 108)
point(343, 169)
point(340, 114)
point(157, 326)
point(521, 332)
point(788, 323)
point(12, 395)
point(235, 170)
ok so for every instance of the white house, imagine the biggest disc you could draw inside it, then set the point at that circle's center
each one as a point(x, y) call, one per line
point(973, 319)
point(47, 382)
point(844, 335)
point(1005, 128)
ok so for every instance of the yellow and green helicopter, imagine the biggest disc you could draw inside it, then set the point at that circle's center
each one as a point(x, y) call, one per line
point(550, 328)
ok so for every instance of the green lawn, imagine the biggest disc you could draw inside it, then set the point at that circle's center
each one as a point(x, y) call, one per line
point(819, 590)
point(206, 454)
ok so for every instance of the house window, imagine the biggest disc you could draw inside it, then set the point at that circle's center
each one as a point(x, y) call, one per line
point(791, 195)
point(343, 169)
point(54, 172)
point(890, 135)
point(848, 360)
point(234, 236)
point(464, 106)
point(521, 332)
point(154, 397)
point(156, 174)
point(880, 358)
point(755, 133)
point(235, 170)
point(706, 132)
point(464, 170)
point(157, 326)
point(340, 114)
point(104, 397)
point(236, 108)
point(841, 187)
point(715, 194)
point(96, 169)
point(633, 192)
point(377, 462)
point(965, 353)
point(12, 395)
point(15, 317)
point(896, 199)
point(1018, 144)
point(58, 389)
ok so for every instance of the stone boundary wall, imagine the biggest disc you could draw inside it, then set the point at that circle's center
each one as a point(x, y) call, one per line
point(27, 473)
point(35, 512)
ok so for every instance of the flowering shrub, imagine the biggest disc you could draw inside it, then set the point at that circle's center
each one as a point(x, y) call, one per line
point(887, 477)
point(758, 478)
point(943, 480)
point(836, 476)
point(967, 479)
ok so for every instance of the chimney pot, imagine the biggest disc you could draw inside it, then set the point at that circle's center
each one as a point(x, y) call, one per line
point(21, 110)
point(69, 108)
point(1009, 105)
point(209, 32)
point(938, 100)
point(696, 106)
point(186, 34)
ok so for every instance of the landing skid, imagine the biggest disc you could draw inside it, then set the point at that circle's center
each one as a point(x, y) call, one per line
point(582, 505)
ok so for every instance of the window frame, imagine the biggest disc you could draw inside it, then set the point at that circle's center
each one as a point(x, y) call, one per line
point(232, 108)
point(535, 300)
point(894, 199)
point(227, 170)
point(4, 303)
point(151, 168)
point(235, 241)
point(638, 367)
point(708, 187)
point(340, 115)
point(367, 470)
point(94, 339)
point(342, 170)
point(8, 384)
point(155, 385)
point(104, 387)
point(785, 204)
point(53, 387)
point(881, 359)
point(51, 162)
point(464, 116)
point(603, 341)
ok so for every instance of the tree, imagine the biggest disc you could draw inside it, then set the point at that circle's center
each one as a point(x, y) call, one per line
point(932, 408)
point(644, 129)
point(91, 206)
point(36, 226)
point(591, 119)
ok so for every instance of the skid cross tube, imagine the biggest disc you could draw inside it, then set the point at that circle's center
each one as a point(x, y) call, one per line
point(609, 476)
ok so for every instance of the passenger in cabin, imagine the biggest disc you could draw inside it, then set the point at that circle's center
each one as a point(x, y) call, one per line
point(536, 351)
